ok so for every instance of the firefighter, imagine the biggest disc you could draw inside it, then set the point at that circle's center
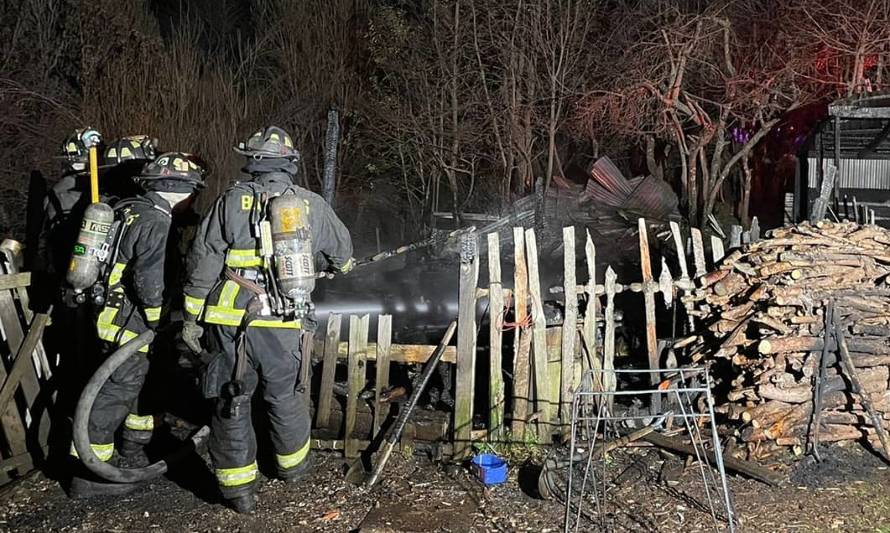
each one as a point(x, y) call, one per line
point(65, 203)
point(123, 160)
point(135, 290)
point(251, 345)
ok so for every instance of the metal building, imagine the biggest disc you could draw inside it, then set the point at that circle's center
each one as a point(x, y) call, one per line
point(854, 140)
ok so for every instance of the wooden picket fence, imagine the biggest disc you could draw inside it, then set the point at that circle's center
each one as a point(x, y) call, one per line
point(24, 372)
point(547, 363)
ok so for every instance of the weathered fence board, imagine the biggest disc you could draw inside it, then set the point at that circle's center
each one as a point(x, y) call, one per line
point(495, 335)
point(543, 400)
point(381, 382)
point(569, 331)
point(466, 344)
point(328, 370)
point(358, 342)
point(649, 304)
point(522, 341)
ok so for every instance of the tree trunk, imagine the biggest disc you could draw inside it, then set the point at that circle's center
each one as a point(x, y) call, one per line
point(332, 139)
point(652, 164)
point(745, 201)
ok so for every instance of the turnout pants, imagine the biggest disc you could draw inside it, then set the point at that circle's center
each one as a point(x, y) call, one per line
point(116, 402)
point(273, 365)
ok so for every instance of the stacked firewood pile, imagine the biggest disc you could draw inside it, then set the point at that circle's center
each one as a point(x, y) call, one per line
point(764, 327)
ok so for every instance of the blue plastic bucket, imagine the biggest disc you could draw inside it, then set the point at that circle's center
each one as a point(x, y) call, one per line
point(490, 469)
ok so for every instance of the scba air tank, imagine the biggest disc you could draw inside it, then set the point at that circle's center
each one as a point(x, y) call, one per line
point(87, 256)
point(292, 247)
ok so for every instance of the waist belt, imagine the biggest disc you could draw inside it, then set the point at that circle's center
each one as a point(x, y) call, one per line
point(247, 282)
point(250, 274)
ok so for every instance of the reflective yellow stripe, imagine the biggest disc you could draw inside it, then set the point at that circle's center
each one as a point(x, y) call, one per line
point(127, 336)
point(243, 258)
point(102, 451)
point(139, 423)
point(228, 294)
point(233, 477)
point(276, 323)
point(223, 315)
point(117, 272)
point(293, 459)
point(152, 314)
point(194, 306)
point(105, 324)
point(347, 266)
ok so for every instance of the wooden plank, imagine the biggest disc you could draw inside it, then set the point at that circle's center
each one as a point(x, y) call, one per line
point(609, 379)
point(735, 237)
point(15, 281)
point(358, 341)
point(15, 431)
point(402, 353)
point(14, 261)
point(590, 313)
point(543, 401)
point(495, 335)
point(520, 342)
point(649, 302)
point(328, 371)
point(717, 251)
point(466, 344)
point(381, 383)
point(698, 253)
point(22, 363)
point(684, 272)
point(569, 331)
point(681, 250)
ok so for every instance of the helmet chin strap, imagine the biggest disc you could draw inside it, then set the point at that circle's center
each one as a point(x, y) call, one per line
point(174, 198)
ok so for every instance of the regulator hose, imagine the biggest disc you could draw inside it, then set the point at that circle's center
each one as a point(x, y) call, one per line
point(82, 418)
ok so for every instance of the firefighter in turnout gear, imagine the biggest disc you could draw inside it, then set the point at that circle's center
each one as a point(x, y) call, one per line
point(64, 205)
point(255, 343)
point(134, 278)
point(123, 160)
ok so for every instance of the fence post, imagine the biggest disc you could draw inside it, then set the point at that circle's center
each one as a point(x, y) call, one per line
point(590, 313)
point(569, 331)
point(543, 399)
point(609, 379)
point(495, 323)
point(522, 340)
point(735, 237)
point(358, 354)
point(717, 251)
point(328, 370)
point(466, 344)
point(649, 303)
point(698, 253)
point(684, 271)
point(381, 382)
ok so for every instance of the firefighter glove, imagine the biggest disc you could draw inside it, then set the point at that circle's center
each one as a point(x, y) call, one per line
point(191, 335)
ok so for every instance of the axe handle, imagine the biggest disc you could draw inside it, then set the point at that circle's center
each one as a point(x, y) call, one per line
point(422, 382)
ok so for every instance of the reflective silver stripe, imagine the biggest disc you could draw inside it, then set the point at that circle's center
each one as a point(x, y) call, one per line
point(139, 423)
point(293, 459)
point(233, 477)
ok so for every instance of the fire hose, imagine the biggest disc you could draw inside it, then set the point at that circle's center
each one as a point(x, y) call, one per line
point(82, 417)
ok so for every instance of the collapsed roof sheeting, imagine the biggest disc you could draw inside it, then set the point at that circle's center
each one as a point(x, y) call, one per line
point(648, 197)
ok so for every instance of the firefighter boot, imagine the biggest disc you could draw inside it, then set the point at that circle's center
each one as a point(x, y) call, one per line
point(243, 504)
point(297, 473)
point(130, 448)
point(86, 484)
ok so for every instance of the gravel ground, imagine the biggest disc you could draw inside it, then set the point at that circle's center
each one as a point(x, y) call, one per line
point(848, 492)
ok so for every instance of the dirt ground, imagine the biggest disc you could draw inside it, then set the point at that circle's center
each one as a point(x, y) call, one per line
point(847, 492)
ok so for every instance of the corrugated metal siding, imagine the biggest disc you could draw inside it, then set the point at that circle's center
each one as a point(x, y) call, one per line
point(855, 174)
